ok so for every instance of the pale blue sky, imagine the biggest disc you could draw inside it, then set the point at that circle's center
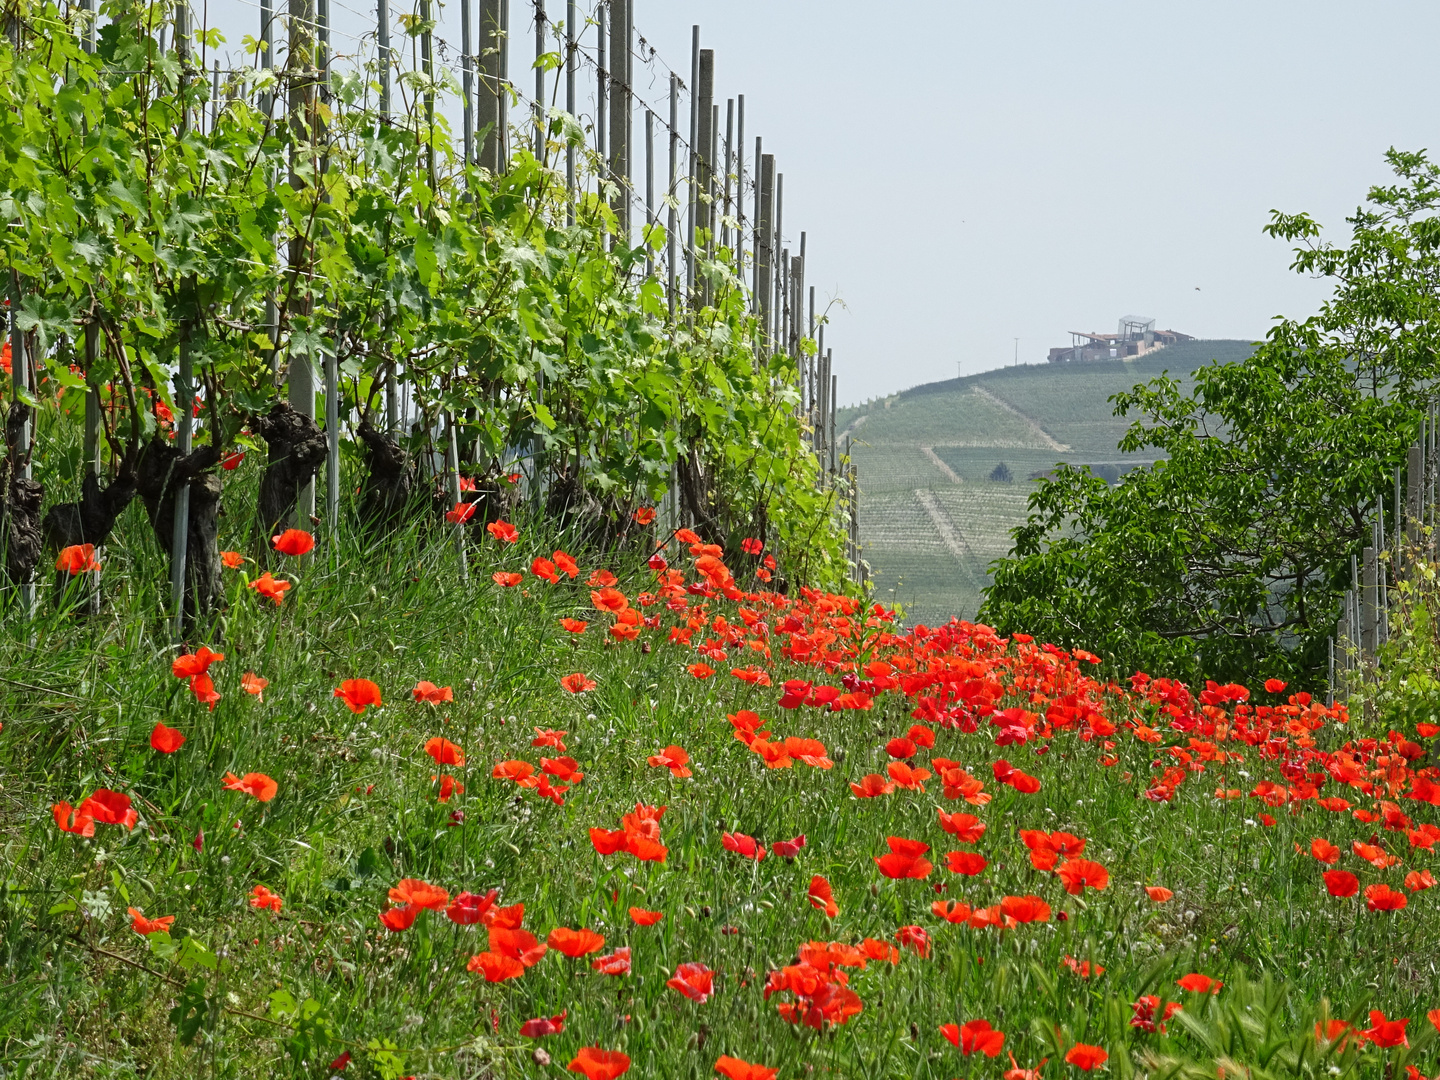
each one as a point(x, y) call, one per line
point(973, 172)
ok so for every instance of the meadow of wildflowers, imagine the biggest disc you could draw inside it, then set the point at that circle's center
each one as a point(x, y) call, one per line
point(642, 815)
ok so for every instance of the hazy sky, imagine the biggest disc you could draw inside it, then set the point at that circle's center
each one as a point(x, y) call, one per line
point(969, 173)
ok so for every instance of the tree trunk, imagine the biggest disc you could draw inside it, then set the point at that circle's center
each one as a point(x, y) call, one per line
point(161, 471)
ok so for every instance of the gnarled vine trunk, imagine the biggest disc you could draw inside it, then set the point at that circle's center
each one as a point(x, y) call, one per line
point(296, 449)
point(389, 481)
point(159, 473)
point(20, 508)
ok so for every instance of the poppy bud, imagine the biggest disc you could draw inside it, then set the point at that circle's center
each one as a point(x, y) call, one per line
point(1063, 917)
point(705, 911)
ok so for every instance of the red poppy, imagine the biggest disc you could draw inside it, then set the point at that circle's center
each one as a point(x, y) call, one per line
point(977, 1037)
point(254, 684)
point(735, 1069)
point(542, 1026)
point(141, 925)
point(700, 671)
point(915, 939)
point(904, 859)
point(496, 967)
point(616, 963)
point(1324, 850)
point(358, 694)
point(787, 849)
point(1196, 983)
point(742, 845)
point(469, 908)
point(444, 752)
point(293, 542)
point(1076, 874)
point(578, 683)
point(1144, 1013)
point(188, 665)
point(252, 783)
point(1386, 1033)
point(399, 919)
point(952, 911)
point(673, 758)
point(203, 687)
point(565, 564)
point(516, 943)
point(1086, 1057)
point(549, 737)
point(872, 785)
point(448, 787)
point(640, 917)
point(822, 897)
point(165, 739)
point(461, 512)
point(1341, 883)
point(513, 770)
point(597, 1064)
point(966, 828)
point(72, 820)
point(1084, 968)
point(77, 559)
point(1379, 897)
point(506, 579)
point(1275, 686)
point(269, 587)
point(575, 943)
point(574, 626)
point(968, 863)
point(1025, 909)
point(908, 778)
point(262, 898)
point(431, 694)
point(657, 562)
point(900, 748)
point(1418, 880)
point(544, 569)
point(644, 515)
point(601, 579)
point(563, 768)
point(503, 531)
point(695, 981)
point(1158, 893)
point(233, 560)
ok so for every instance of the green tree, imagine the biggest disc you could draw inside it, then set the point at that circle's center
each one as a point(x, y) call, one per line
point(1228, 557)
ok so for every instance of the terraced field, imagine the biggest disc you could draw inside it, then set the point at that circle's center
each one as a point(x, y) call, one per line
point(932, 519)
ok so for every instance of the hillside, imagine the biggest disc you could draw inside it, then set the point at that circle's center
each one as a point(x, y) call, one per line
point(931, 519)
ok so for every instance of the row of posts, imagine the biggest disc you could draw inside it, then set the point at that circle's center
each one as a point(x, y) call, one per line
point(1364, 624)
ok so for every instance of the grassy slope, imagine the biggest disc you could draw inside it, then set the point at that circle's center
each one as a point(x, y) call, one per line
point(356, 811)
point(966, 425)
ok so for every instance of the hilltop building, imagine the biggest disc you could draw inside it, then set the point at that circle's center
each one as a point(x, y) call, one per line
point(1135, 337)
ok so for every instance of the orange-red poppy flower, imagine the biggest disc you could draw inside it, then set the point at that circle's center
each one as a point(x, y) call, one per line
point(611, 600)
point(915, 939)
point(507, 579)
point(736, 1069)
point(503, 531)
point(644, 515)
point(165, 739)
point(358, 694)
point(1380, 897)
point(1025, 909)
point(562, 768)
point(787, 849)
point(742, 845)
point(673, 758)
point(575, 943)
point(976, 1037)
point(905, 859)
point(70, 819)
point(232, 559)
point(431, 694)
point(469, 908)
point(1341, 883)
point(188, 665)
point(968, 863)
point(1419, 880)
point(1196, 983)
point(77, 559)
point(203, 687)
point(1076, 874)
point(1084, 968)
point(399, 919)
point(601, 579)
point(254, 684)
point(517, 943)
point(444, 752)
point(695, 981)
point(1386, 1033)
point(900, 748)
point(513, 770)
point(268, 586)
point(640, 917)
point(549, 737)
point(543, 1025)
point(293, 542)
point(496, 967)
point(544, 569)
point(578, 683)
point(966, 828)
point(263, 898)
point(460, 513)
point(700, 671)
point(252, 783)
point(1158, 893)
point(906, 777)
point(616, 963)
point(822, 897)
point(574, 626)
point(1274, 686)
point(596, 1064)
point(419, 894)
point(231, 461)
point(952, 911)
point(1086, 1057)
point(872, 785)
point(141, 925)
point(102, 805)
point(565, 564)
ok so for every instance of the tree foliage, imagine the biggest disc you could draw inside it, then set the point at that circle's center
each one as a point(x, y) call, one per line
point(1228, 557)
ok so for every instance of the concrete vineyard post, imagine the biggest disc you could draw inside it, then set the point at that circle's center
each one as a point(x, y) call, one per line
point(332, 449)
point(621, 45)
point(602, 78)
point(571, 60)
point(704, 158)
point(671, 212)
point(649, 193)
point(728, 168)
point(764, 237)
point(184, 415)
point(21, 387)
point(489, 113)
point(300, 371)
point(452, 476)
point(1415, 485)
point(834, 388)
point(467, 84)
point(777, 242)
point(540, 146)
point(690, 191)
point(383, 58)
point(739, 236)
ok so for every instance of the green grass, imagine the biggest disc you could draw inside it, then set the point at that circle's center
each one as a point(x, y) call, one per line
point(356, 811)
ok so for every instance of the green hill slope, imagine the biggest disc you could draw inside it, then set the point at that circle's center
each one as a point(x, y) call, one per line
point(932, 517)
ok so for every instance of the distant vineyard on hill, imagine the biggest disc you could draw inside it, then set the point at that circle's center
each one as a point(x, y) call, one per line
point(935, 506)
